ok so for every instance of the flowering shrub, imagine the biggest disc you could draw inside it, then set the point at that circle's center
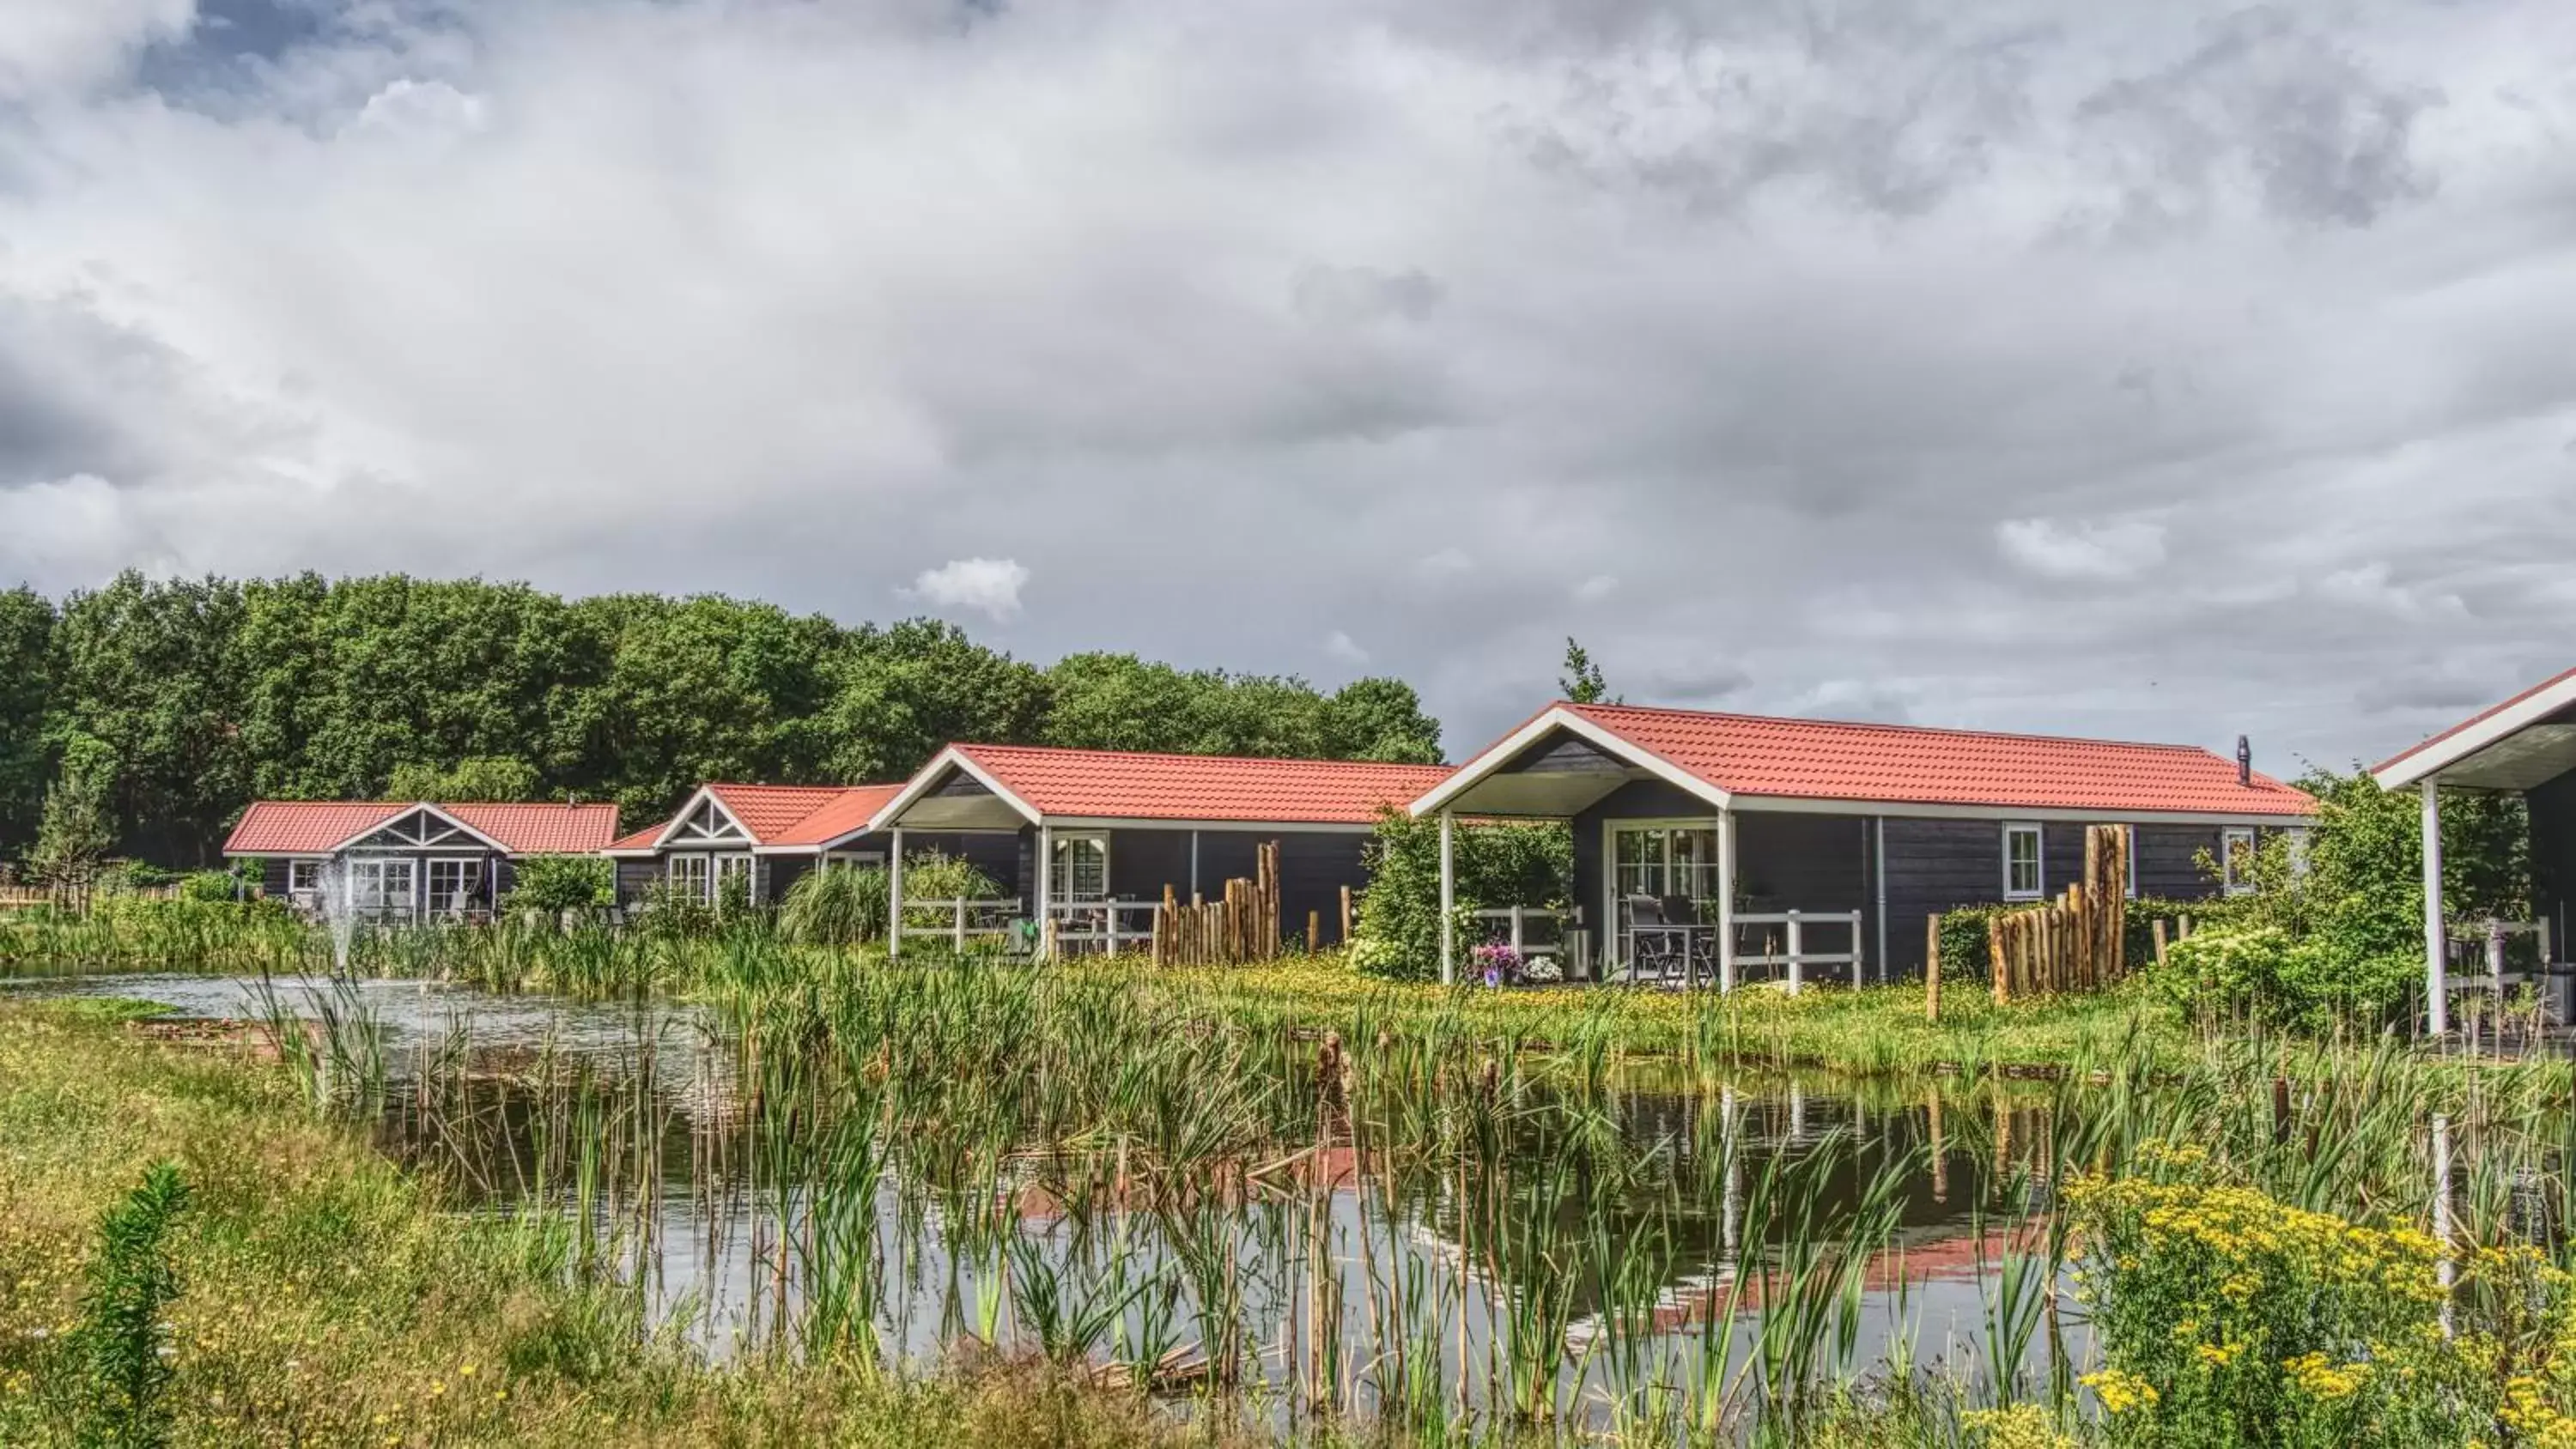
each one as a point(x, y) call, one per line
point(1496, 964)
point(2228, 1317)
point(1542, 972)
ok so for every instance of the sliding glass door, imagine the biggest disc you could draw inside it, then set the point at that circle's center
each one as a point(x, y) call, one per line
point(1659, 861)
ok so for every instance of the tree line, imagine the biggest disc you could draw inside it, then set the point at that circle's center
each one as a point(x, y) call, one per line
point(185, 699)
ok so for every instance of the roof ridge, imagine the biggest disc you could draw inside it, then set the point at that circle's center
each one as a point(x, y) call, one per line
point(1921, 729)
point(970, 745)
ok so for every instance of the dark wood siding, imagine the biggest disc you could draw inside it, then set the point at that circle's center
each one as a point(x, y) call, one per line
point(2168, 865)
point(635, 876)
point(1564, 753)
point(1313, 868)
point(1143, 862)
point(1934, 866)
point(778, 872)
point(2553, 856)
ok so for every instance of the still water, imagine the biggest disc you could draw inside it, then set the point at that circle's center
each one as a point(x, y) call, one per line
point(633, 1124)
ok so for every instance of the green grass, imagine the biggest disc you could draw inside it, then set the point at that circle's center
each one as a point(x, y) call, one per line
point(329, 1299)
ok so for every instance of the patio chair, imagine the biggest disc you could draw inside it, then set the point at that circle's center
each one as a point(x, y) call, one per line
point(1698, 944)
point(1656, 949)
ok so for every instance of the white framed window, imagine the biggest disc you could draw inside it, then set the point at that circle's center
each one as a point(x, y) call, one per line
point(303, 876)
point(692, 874)
point(382, 885)
point(2236, 859)
point(854, 859)
point(453, 885)
point(727, 867)
point(1080, 869)
point(2023, 863)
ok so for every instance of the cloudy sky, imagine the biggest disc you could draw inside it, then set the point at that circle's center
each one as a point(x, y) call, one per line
point(2160, 368)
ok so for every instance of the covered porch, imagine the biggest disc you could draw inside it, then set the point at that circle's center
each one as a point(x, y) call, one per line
point(2527, 747)
point(1675, 881)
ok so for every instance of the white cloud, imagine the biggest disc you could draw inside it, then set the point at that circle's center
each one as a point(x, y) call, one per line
point(415, 110)
point(2108, 551)
point(988, 586)
point(1344, 648)
point(69, 43)
point(1243, 322)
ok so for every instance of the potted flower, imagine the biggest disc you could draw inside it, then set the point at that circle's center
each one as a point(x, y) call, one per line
point(1499, 964)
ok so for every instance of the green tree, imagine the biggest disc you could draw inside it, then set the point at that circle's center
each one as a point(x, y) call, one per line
point(78, 831)
point(475, 778)
point(1380, 719)
point(1581, 681)
point(26, 687)
point(901, 692)
point(153, 670)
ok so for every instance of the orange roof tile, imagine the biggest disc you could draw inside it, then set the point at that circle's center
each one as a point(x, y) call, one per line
point(1118, 785)
point(312, 827)
point(641, 840)
point(1910, 764)
point(848, 810)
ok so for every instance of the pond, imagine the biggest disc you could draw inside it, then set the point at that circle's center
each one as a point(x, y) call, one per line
point(1272, 1221)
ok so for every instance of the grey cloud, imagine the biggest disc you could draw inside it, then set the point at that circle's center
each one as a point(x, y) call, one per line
point(1780, 314)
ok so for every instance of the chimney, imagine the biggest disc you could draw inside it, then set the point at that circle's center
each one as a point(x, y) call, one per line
point(2244, 761)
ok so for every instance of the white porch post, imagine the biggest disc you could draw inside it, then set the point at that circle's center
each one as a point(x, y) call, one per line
point(1726, 900)
point(1045, 887)
point(894, 893)
point(1448, 897)
point(2437, 1006)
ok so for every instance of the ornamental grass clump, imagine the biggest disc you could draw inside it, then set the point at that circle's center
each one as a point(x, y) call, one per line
point(2229, 1317)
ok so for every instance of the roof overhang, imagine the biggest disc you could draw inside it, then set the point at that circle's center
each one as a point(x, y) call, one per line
point(918, 806)
point(1485, 786)
point(2527, 741)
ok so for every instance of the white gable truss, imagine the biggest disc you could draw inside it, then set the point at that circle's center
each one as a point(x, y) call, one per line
point(704, 823)
point(421, 827)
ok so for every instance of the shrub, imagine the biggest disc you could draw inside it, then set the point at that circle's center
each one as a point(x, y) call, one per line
point(835, 906)
point(935, 876)
point(211, 885)
point(2229, 1317)
point(1497, 865)
point(665, 912)
point(553, 884)
point(2288, 979)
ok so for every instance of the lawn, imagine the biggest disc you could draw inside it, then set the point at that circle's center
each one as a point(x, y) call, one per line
point(328, 1299)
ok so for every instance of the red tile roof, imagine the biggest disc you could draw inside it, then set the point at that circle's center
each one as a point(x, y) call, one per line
point(312, 827)
point(541, 829)
point(1117, 785)
point(848, 810)
point(786, 815)
point(1908, 764)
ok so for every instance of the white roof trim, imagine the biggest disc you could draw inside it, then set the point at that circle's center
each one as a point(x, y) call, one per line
point(427, 808)
point(1905, 810)
point(1494, 756)
point(706, 794)
point(919, 785)
point(2435, 755)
